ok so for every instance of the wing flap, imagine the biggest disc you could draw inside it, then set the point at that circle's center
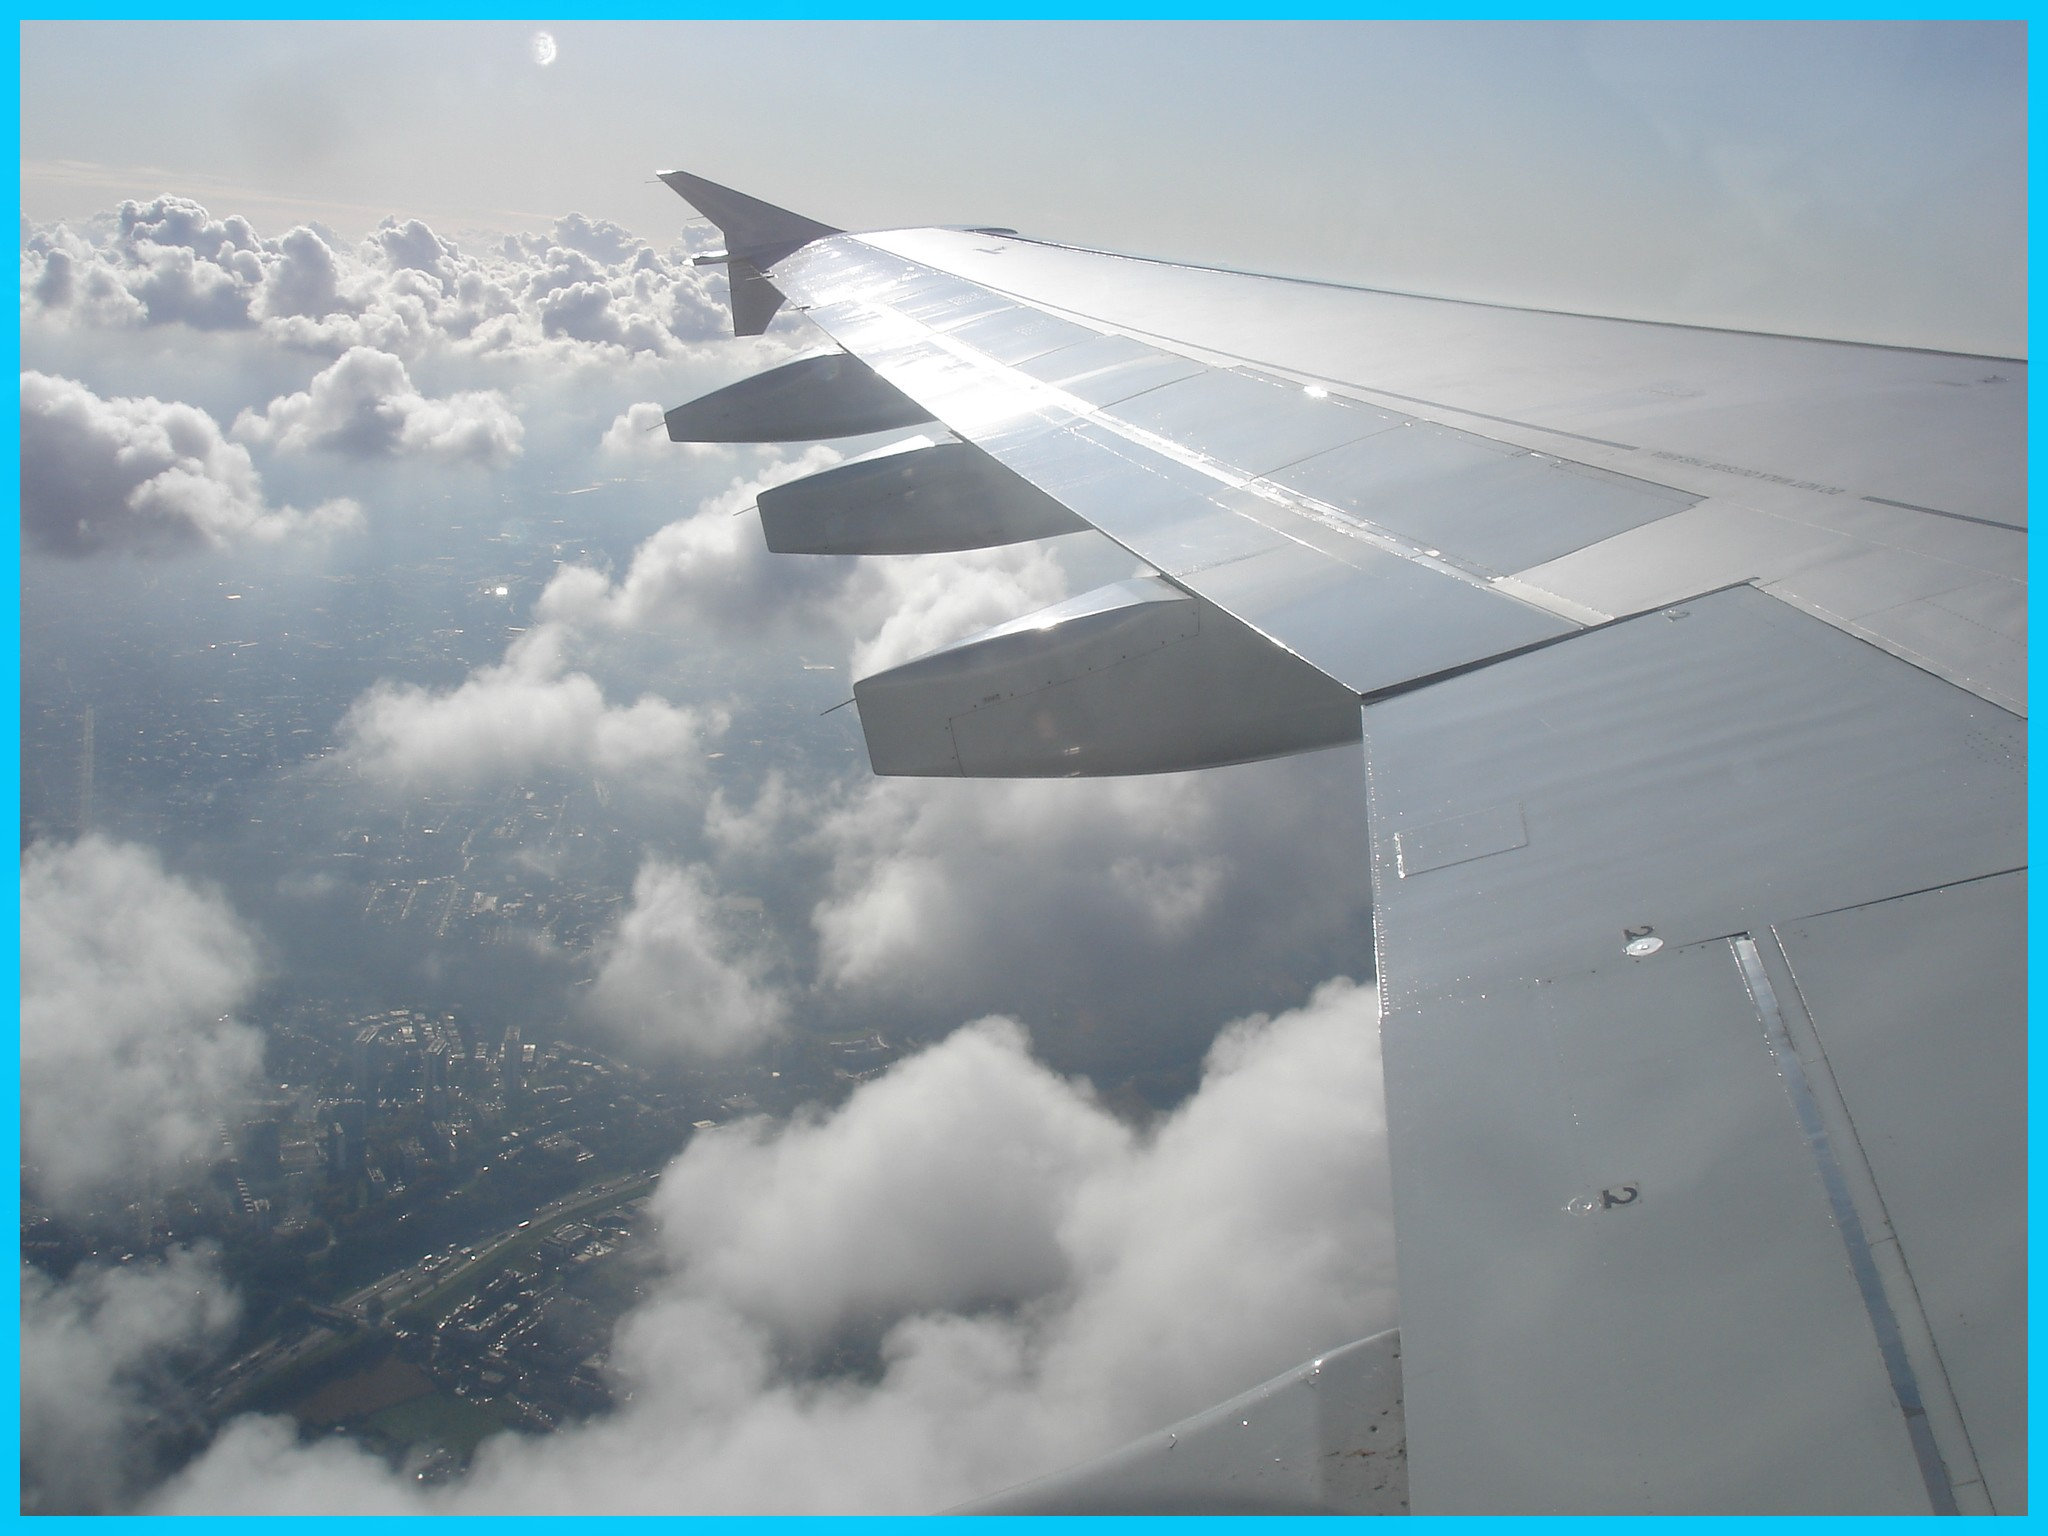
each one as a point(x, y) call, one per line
point(1857, 452)
point(1598, 1177)
point(1167, 455)
point(1711, 411)
point(1924, 1068)
point(1567, 1019)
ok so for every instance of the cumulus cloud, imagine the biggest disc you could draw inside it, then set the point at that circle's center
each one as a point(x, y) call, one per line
point(127, 1054)
point(366, 405)
point(97, 1391)
point(586, 285)
point(712, 571)
point(143, 475)
point(909, 607)
point(903, 897)
point(942, 1186)
point(636, 432)
point(709, 570)
point(599, 238)
point(61, 274)
point(185, 265)
point(1145, 899)
point(1025, 1279)
point(528, 714)
point(307, 280)
point(679, 977)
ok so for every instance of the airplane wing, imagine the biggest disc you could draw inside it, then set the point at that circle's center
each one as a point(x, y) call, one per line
point(1687, 669)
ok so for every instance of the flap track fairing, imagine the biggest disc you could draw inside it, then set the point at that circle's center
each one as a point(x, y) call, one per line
point(945, 496)
point(1135, 677)
point(813, 398)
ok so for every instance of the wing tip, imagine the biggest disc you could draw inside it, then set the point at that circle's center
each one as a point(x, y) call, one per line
point(750, 226)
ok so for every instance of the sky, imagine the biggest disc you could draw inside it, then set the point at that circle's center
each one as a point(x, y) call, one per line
point(345, 302)
point(1859, 180)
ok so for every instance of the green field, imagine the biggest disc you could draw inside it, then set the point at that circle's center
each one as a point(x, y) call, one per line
point(437, 1419)
point(390, 1381)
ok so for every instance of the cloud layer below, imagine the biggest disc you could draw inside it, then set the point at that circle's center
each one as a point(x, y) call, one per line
point(365, 405)
point(530, 714)
point(128, 1054)
point(585, 285)
point(678, 978)
point(146, 476)
point(1020, 1278)
point(95, 1393)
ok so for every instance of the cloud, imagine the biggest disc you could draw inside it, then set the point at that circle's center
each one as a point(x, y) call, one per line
point(600, 238)
point(1023, 1280)
point(528, 714)
point(61, 274)
point(365, 405)
point(143, 475)
point(127, 1054)
point(184, 265)
point(941, 1186)
point(96, 1388)
point(636, 432)
point(306, 280)
point(712, 570)
point(909, 607)
point(678, 977)
point(586, 288)
point(409, 245)
point(1150, 900)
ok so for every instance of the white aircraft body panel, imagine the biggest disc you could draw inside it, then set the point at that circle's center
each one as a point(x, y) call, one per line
point(1691, 679)
point(1880, 489)
point(1931, 428)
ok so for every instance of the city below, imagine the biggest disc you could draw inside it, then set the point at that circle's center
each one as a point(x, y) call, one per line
point(433, 1228)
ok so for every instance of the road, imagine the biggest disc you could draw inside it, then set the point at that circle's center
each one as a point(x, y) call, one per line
point(436, 1271)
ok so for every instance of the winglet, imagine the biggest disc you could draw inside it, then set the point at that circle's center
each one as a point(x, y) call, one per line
point(754, 231)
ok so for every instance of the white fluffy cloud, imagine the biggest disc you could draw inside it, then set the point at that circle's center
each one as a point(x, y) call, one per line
point(143, 475)
point(913, 863)
point(636, 433)
point(127, 1054)
point(1038, 1280)
point(909, 607)
point(184, 265)
point(587, 285)
point(942, 1186)
point(307, 280)
point(94, 1389)
point(680, 976)
point(1069, 899)
point(528, 714)
point(365, 405)
point(711, 570)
